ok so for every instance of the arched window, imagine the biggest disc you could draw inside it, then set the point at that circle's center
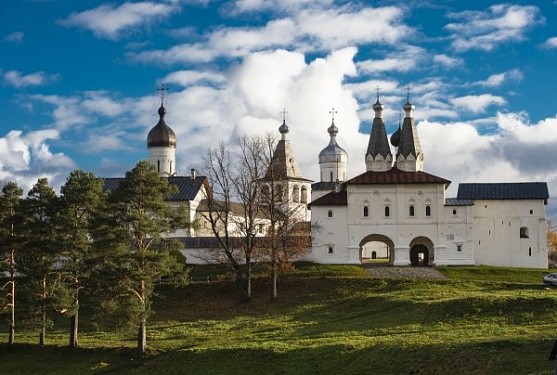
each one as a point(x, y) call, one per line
point(296, 194)
point(330, 213)
point(387, 211)
point(366, 211)
point(331, 176)
point(158, 165)
point(304, 194)
point(427, 210)
point(454, 212)
point(529, 251)
point(411, 211)
point(524, 232)
point(170, 167)
point(279, 193)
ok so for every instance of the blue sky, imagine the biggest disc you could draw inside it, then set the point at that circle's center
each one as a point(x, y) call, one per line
point(78, 81)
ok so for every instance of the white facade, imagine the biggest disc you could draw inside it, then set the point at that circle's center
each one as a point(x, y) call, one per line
point(402, 211)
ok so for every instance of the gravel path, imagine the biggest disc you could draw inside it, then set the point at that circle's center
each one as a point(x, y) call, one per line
point(392, 272)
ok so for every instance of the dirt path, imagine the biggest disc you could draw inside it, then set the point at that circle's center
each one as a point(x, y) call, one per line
point(392, 272)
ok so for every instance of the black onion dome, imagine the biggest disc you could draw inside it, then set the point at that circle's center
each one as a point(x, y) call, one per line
point(283, 129)
point(161, 135)
point(395, 138)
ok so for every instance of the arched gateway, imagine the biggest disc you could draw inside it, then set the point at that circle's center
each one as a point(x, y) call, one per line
point(377, 247)
point(421, 252)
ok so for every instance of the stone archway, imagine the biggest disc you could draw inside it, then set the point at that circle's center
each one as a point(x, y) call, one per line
point(421, 252)
point(377, 248)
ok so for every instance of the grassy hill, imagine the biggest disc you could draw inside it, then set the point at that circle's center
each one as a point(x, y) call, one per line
point(328, 320)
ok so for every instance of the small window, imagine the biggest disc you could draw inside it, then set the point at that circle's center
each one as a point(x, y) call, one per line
point(331, 176)
point(454, 212)
point(170, 167)
point(366, 211)
point(529, 251)
point(411, 211)
point(524, 232)
point(387, 211)
point(331, 250)
point(531, 212)
point(427, 210)
point(459, 248)
point(329, 213)
point(158, 165)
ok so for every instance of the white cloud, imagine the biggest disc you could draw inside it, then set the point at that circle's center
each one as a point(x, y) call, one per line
point(26, 157)
point(15, 37)
point(485, 30)
point(20, 80)
point(247, 6)
point(110, 21)
point(308, 30)
point(448, 61)
point(496, 80)
point(477, 103)
point(192, 77)
point(402, 61)
point(99, 103)
point(550, 42)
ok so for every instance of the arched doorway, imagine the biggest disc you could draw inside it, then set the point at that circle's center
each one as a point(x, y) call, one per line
point(421, 252)
point(376, 249)
point(419, 256)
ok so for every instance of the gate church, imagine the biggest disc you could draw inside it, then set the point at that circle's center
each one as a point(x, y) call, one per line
point(397, 211)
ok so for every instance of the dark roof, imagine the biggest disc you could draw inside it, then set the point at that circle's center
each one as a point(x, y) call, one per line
point(519, 190)
point(396, 176)
point(409, 142)
point(378, 141)
point(458, 202)
point(323, 185)
point(187, 187)
point(331, 199)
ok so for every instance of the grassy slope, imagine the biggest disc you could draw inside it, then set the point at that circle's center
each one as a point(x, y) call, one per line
point(327, 325)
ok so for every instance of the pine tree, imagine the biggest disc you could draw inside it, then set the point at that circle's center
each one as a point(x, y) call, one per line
point(142, 217)
point(82, 195)
point(38, 259)
point(10, 243)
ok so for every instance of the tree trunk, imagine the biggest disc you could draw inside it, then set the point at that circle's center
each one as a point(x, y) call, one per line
point(11, 339)
point(274, 283)
point(248, 278)
point(74, 323)
point(42, 335)
point(142, 336)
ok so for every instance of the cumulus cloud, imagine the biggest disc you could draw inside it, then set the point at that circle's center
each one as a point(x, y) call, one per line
point(400, 61)
point(249, 6)
point(15, 37)
point(24, 157)
point(550, 43)
point(486, 30)
point(19, 80)
point(110, 21)
point(477, 103)
point(191, 77)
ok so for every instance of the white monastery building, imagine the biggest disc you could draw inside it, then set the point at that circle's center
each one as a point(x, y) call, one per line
point(397, 211)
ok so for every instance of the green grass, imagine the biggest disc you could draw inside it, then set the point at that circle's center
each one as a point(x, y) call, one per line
point(327, 320)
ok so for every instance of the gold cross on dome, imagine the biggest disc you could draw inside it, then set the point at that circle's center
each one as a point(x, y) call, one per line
point(284, 113)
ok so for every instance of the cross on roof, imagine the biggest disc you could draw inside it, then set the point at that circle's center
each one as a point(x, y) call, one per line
point(333, 112)
point(408, 93)
point(377, 89)
point(284, 113)
point(162, 93)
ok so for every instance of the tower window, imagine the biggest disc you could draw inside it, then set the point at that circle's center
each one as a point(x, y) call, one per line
point(529, 251)
point(427, 210)
point(454, 212)
point(330, 213)
point(459, 248)
point(158, 165)
point(387, 211)
point(170, 167)
point(524, 232)
point(331, 176)
point(411, 211)
point(531, 212)
point(366, 211)
point(304, 194)
point(331, 250)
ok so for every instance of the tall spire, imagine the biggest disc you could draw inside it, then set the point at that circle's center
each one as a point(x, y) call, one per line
point(283, 165)
point(378, 155)
point(409, 154)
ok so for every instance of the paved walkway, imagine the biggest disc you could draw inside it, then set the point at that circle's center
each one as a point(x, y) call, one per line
point(392, 272)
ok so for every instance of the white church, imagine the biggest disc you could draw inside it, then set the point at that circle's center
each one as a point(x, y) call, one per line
point(394, 212)
point(397, 211)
